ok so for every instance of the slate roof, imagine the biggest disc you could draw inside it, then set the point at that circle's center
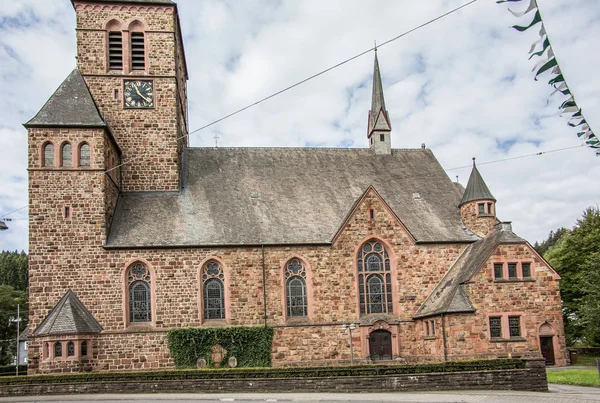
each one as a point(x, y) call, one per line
point(69, 316)
point(253, 196)
point(378, 103)
point(449, 295)
point(71, 105)
point(135, 1)
point(476, 188)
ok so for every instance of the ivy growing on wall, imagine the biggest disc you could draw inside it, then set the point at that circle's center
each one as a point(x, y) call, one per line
point(251, 346)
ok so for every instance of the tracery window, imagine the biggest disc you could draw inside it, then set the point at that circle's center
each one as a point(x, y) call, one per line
point(84, 155)
point(295, 289)
point(67, 155)
point(374, 279)
point(213, 291)
point(48, 155)
point(140, 306)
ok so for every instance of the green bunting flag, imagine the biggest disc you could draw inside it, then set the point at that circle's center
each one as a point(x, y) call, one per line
point(548, 62)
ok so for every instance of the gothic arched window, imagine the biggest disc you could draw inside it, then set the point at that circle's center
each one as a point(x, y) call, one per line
point(374, 278)
point(70, 349)
point(140, 302)
point(84, 155)
point(66, 155)
point(213, 291)
point(295, 289)
point(48, 157)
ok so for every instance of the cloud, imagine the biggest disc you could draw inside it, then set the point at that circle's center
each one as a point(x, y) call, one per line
point(462, 85)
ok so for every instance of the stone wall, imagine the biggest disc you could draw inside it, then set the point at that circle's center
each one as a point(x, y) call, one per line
point(532, 378)
point(481, 224)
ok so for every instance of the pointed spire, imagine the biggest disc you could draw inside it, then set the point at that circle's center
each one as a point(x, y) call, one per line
point(476, 188)
point(377, 102)
point(379, 127)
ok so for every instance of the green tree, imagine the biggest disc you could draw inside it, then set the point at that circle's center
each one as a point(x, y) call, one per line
point(9, 298)
point(590, 304)
point(572, 256)
point(553, 238)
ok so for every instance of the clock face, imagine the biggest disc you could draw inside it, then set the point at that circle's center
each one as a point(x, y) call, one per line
point(138, 93)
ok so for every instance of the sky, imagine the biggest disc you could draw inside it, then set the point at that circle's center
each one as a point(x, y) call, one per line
point(462, 85)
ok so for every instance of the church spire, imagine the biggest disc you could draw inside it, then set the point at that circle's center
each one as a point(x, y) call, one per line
point(380, 128)
point(476, 188)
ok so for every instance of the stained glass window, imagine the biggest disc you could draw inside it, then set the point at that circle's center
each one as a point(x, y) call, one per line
point(295, 275)
point(84, 155)
point(58, 349)
point(49, 155)
point(374, 278)
point(213, 291)
point(67, 155)
point(70, 349)
point(140, 306)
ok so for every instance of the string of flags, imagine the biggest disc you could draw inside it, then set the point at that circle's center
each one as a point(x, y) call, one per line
point(542, 49)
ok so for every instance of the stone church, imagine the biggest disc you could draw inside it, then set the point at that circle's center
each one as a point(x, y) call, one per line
point(304, 240)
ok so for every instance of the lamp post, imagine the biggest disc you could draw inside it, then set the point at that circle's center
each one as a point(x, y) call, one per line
point(17, 320)
point(350, 328)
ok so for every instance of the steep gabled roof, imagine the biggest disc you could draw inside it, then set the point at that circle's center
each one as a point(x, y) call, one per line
point(71, 105)
point(449, 295)
point(69, 316)
point(476, 188)
point(253, 196)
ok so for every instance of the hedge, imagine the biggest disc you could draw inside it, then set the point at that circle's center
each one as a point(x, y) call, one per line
point(10, 370)
point(251, 346)
point(261, 373)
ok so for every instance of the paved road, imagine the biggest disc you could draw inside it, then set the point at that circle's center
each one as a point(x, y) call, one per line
point(558, 393)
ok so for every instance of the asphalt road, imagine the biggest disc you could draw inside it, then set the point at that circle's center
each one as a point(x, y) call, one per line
point(558, 393)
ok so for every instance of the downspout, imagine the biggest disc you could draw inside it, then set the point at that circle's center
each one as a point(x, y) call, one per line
point(262, 246)
point(444, 337)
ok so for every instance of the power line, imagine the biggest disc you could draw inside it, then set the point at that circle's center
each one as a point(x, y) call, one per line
point(306, 79)
point(516, 158)
point(14, 211)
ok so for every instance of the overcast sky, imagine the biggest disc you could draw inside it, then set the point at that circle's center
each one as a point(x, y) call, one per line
point(463, 86)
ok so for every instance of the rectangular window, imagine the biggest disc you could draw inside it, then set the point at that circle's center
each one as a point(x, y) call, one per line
point(371, 214)
point(67, 212)
point(495, 327)
point(512, 270)
point(526, 270)
point(514, 326)
point(115, 51)
point(433, 328)
point(481, 208)
point(138, 55)
point(489, 205)
point(498, 272)
point(382, 137)
point(427, 328)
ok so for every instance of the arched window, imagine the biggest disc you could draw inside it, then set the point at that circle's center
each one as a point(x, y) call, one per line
point(140, 304)
point(48, 157)
point(70, 349)
point(137, 45)
point(84, 348)
point(115, 45)
point(66, 155)
point(84, 155)
point(374, 278)
point(58, 349)
point(295, 289)
point(213, 291)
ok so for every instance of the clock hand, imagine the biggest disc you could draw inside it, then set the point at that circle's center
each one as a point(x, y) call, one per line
point(138, 92)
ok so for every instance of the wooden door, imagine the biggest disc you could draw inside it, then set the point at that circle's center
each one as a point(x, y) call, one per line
point(380, 345)
point(547, 348)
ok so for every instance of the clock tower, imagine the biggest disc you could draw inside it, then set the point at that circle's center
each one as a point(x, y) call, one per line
point(130, 54)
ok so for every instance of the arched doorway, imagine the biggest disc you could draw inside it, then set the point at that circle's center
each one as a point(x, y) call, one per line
point(547, 335)
point(380, 345)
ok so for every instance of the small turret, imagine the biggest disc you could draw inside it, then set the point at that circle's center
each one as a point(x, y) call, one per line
point(380, 128)
point(478, 205)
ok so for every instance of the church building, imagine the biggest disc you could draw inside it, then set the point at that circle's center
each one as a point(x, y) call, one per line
point(304, 240)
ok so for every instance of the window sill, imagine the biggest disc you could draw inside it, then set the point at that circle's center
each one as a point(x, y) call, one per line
point(140, 326)
point(296, 320)
point(429, 338)
point(215, 322)
point(515, 280)
point(511, 340)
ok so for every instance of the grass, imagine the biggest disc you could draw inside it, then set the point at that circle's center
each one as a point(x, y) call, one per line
point(578, 377)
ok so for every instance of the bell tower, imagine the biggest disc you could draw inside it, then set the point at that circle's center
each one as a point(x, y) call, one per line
point(380, 128)
point(130, 54)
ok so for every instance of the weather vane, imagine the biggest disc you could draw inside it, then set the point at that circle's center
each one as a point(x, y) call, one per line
point(216, 139)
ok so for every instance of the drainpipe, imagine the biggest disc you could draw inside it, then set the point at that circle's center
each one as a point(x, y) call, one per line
point(444, 337)
point(262, 246)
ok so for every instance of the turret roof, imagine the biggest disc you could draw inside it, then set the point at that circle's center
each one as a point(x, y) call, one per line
point(69, 316)
point(476, 188)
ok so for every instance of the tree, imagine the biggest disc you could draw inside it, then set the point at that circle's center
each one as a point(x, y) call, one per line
point(573, 257)
point(553, 238)
point(9, 298)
